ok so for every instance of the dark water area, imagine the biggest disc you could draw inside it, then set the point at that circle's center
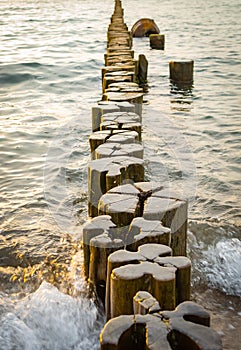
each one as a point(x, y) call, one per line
point(50, 61)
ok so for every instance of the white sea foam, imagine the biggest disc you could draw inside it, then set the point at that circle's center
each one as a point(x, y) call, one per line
point(221, 265)
point(50, 320)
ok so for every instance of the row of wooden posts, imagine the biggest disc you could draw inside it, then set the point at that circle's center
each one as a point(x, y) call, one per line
point(135, 239)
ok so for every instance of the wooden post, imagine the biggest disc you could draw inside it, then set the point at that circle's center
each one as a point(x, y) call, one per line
point(127, 280)
point(144, 27)
point(117, 136)
point(144, 303)
point(114, 149)
point(183, 275)
point(100, 248)
point(146, 252)
point(151, 201)
point(185, 328)
point(143, 231)
point(142, 70)
point(104, 174)
point(98, 111)
point(157, 41)
point(181, 73)
point(93, 228)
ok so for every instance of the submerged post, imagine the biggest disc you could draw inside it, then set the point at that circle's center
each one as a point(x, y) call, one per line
point(181, 73)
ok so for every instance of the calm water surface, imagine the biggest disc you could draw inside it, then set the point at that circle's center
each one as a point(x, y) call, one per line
point(50, 61)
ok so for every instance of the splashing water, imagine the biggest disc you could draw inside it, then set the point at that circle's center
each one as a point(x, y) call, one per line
point(220, 266)
point(48, 320)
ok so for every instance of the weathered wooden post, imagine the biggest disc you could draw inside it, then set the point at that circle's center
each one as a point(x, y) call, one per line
point(183, 275)
point(111, 136)
point(144, 303)
point(91, 229)
point(114, 149)
point(157, 41)
point(146, 252)
point(100, 248)
point(153, 202)
point(104, 174)
point(142, 70)
point(142, 231)
point(99, 110)
point(122, 121)
point(181, 73)
point(127, 280)
point(119, 95)
point(185, 328)
point(130, 277)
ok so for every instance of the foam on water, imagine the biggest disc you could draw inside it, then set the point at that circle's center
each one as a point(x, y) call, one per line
point(49, 319)
point(221, 266)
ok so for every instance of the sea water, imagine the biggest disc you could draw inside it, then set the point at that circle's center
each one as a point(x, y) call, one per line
point(50, 61)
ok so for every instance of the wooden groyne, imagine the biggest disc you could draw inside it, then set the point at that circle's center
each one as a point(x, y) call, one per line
point(135, 239)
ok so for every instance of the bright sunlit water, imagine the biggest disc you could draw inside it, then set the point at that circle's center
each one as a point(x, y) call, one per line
point(50, 61)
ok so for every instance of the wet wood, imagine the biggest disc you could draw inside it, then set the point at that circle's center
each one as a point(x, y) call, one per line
point(152, 202)
point(142, 231)
point(98, 111)
point(127, 280)
point(104, 174)
point(183, 275)
point(189, 328)
point(144, 27)
point(134, 332)
point(147, 252)
point(185, 328)
point(120, 136)
point(114, 149)
point(122, 121)
point(144, 303)
point(181, 73)
point(92, 228)
point(142, 70)
point(101, 247)
point(157, 41)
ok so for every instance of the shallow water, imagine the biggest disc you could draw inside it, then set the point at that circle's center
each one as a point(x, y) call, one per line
point(50, 61)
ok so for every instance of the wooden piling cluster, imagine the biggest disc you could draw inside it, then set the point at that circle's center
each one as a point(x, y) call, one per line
point(135, 238)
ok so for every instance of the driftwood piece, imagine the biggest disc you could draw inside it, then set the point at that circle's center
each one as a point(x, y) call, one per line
point(104, 174)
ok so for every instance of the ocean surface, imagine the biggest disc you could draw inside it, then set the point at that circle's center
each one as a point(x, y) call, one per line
point(50, 61)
